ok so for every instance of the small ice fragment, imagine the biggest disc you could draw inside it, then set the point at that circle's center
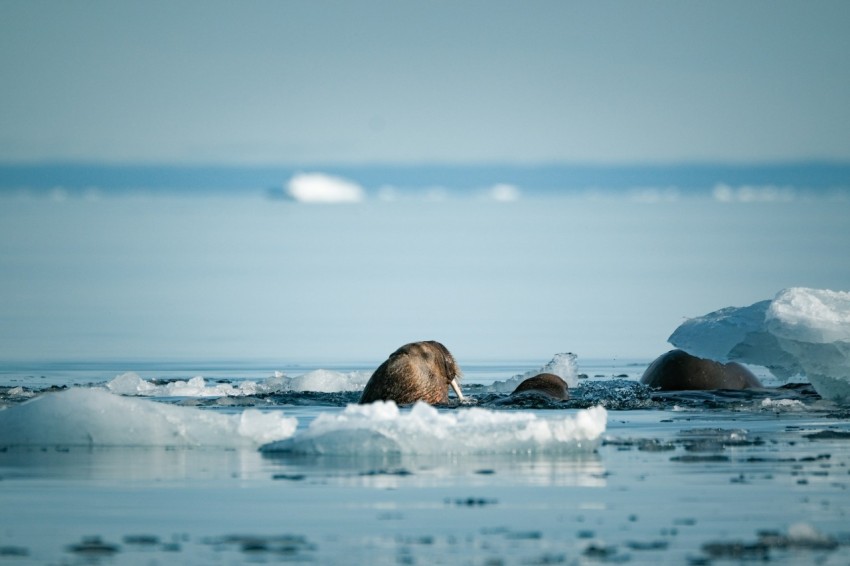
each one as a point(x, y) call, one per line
point(130, 383)
point(327, 381)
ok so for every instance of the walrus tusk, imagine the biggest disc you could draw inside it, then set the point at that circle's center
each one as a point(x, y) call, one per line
point(456, 389)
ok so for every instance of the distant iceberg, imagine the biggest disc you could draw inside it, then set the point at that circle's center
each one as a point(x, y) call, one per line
point(382, 428)
point(95, 417)
point(323, 188)
point(801, 331)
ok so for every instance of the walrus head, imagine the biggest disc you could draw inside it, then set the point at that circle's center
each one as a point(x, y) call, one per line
point(419, 371)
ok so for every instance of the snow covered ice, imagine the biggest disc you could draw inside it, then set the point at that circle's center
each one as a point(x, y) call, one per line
point(801, 331)
point(94, 417)
point(381, 428)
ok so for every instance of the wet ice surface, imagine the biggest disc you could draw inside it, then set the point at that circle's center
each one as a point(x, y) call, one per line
point(687, 477)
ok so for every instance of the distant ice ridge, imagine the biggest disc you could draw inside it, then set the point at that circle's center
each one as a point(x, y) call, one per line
point(94, 417)
point(801, 331)
point(563, 365)
point(381, 428)
point(320, 380)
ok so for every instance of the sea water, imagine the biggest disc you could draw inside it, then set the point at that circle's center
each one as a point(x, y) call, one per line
point(675, 477)
point(224, 308)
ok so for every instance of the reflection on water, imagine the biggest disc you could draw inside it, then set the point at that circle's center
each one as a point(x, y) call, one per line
point(383, 471)
point(404, 470)
point(129, 464)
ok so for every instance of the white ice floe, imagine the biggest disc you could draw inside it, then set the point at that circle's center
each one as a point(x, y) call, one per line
point(321, 380)
point(94, 417)
point(381, 428)
point(323, 188)
point(563, 365)
point(801, 331)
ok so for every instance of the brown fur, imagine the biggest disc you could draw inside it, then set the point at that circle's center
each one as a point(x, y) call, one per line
point(420, 371)
point(678, 371)
point(546, 383)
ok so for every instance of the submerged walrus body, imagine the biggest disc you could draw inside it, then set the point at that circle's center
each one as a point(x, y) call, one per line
point(679, 371)
point(545, 383)
point(420, 371)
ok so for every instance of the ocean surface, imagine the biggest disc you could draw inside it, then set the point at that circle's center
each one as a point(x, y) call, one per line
point(163, 326)
point(146, 264)
point(676, 478)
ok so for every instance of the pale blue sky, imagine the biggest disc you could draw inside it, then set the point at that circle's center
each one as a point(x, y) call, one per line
point(329, 82)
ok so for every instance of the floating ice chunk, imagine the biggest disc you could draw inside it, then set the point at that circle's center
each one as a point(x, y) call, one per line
point(813, 326)
point(94, 417)
point(381, 428)
point(327, 381)
point(563, 365)
point(323, 188)
point(801, 331)
point(716, 334)
point(320, 380)
point(131, 383)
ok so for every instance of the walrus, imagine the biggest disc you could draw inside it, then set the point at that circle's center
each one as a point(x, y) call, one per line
point(419, 371)
point(546, 383)
point(679, 371)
